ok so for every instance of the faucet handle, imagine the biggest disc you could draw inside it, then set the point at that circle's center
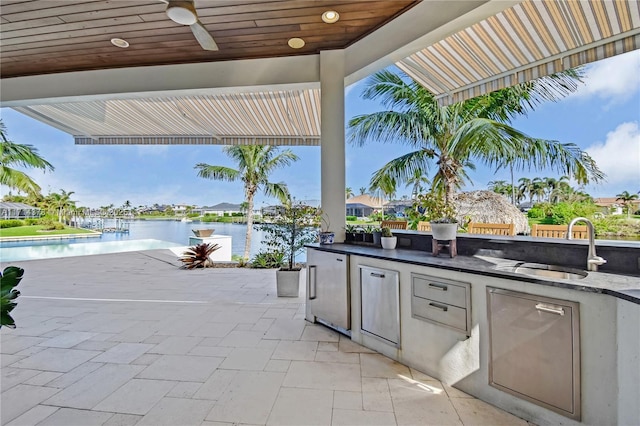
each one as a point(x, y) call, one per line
point(596, 260)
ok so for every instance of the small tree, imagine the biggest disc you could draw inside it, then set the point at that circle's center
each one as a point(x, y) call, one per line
point(295, 226)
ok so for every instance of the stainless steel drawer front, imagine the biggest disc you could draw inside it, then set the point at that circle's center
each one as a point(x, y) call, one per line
point(440, 290)
point(380, 304)
point(441, 301)
point(328, 292)
point(535, 349)
point(444, 314)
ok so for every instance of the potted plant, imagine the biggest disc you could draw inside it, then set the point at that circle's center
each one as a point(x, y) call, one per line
point(326, 236)
point(359, 235)
point(349, 233)
point(442, 216)
point(377, 235)
point(294, 227)
point(388, 240)
point(368, 234)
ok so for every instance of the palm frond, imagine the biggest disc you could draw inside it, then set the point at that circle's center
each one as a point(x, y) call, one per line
point(402, 169)
point(389, 127)
point(278, 190)
point(217, 172)
point(18, 180)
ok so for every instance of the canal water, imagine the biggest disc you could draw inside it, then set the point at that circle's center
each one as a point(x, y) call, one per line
point(151, 233)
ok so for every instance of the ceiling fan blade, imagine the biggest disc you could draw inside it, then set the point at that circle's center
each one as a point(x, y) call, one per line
point(203, 36)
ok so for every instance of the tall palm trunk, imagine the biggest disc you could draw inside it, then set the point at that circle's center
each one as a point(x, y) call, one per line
point(247, 242)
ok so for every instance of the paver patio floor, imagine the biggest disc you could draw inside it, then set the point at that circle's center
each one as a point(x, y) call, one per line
point(129, 339)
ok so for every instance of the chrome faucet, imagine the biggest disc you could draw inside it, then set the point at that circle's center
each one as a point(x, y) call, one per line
point(592, 260)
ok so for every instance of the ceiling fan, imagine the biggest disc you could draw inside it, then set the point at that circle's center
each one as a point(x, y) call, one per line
point(183, 12)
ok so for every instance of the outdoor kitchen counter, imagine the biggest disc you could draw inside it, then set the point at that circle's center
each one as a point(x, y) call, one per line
point(621, 286)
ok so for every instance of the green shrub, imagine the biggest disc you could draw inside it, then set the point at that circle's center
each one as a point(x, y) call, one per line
point(11, 223)
point(536, 212)
point(351, 218)
point(268, 260)
point(31, 221)
point(563, 213)
point(50, 225)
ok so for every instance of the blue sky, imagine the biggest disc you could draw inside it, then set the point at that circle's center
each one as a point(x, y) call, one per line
point(603, 118)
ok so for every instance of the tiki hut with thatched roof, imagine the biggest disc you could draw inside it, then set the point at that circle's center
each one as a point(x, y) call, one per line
point(489, 207)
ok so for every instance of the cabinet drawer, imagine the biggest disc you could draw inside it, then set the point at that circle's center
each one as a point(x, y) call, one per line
point(440, 290)
point(435, 311)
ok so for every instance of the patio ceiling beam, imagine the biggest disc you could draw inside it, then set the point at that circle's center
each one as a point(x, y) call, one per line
point(252, 75)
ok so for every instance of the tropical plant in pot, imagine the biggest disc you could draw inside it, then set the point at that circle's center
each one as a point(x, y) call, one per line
point(295, 226)
point(377, 235)
point(368, 234)
point(433, 207)
point(388, 240)
point(325, 236)
point(349, 233)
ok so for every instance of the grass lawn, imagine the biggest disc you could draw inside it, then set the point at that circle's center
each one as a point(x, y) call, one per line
point(36, 230)
point(362, 222)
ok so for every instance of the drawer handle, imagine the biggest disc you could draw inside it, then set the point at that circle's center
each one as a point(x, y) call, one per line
point(373, 274)
point(339, 260)
point(438, 286)
point(312, 283)
point(550, 308)
point(439, 306)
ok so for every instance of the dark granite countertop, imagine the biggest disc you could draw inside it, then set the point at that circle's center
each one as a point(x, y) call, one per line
point(620, 286)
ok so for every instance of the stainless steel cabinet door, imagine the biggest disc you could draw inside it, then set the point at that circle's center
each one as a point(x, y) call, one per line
point(380, 303)
point(535, 349)
point(328, 287)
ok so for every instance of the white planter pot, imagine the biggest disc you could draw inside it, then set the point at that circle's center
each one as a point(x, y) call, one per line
point(288, 283)
point(444, 231)
point(389, 242)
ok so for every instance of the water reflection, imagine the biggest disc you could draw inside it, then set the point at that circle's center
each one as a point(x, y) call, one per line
point(169, 233)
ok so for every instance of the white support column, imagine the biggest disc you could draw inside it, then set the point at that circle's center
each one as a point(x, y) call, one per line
point(332, 142)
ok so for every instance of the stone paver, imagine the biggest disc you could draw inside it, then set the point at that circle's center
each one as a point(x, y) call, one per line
point(216, 346)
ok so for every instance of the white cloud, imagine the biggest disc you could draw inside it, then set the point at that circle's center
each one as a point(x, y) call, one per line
point(613, 79)
point(619, 156)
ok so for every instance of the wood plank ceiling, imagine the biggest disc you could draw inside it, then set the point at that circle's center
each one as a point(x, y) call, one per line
point(51, 36)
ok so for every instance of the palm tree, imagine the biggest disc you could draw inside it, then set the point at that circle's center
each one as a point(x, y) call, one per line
point(61, 203)
point(416, 183)
point(452, 136)
point(627, 200)
point(255, 164)
point(348, 192)
point(23, 156)
point(538, 187)
point(363, 190)
point(526, 188)
point(499, 187)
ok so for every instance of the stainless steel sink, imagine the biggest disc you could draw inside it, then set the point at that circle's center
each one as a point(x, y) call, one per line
point(549, 271)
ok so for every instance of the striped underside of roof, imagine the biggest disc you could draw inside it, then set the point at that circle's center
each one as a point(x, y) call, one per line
point(274, 118)
point(529, 40)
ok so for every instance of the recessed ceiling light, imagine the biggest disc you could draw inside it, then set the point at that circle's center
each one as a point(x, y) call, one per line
point(118, 42)
point(295, 43)
point(330, 16)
